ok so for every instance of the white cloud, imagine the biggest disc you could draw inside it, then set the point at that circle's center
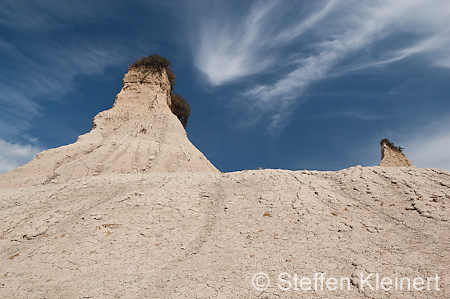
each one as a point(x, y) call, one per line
point(300, 28)
point(429, 147)
point(232, 49)
point(317, 43)
point(15, 155)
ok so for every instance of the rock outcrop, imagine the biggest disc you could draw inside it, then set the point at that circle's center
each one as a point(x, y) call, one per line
point(138, 134)
point(393, 157)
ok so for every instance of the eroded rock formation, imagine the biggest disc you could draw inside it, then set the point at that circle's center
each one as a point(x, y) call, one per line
point(138, 134)
point(392, 156)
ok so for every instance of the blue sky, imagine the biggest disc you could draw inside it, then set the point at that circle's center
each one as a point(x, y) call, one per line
point(272, 84)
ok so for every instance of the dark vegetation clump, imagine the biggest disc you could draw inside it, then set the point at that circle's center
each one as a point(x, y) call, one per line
point(172, 77)
point(180, 107)
point(392, 145)
point(155, 63)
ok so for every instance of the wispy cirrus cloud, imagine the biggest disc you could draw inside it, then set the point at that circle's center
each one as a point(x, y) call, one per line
point(233, 48)
point(295, 45)
point(359, 115)
point(40, 58)
point(228, 47)
point(47, 76)
point(298, 29)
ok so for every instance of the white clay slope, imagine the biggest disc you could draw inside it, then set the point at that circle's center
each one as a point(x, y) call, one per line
point(204, 235)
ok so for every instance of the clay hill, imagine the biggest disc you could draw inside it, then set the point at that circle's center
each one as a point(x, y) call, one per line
point(134, 210)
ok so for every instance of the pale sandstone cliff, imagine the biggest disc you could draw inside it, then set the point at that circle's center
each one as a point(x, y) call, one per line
point(391, 157)
point(133, 210)
point(139, 134)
